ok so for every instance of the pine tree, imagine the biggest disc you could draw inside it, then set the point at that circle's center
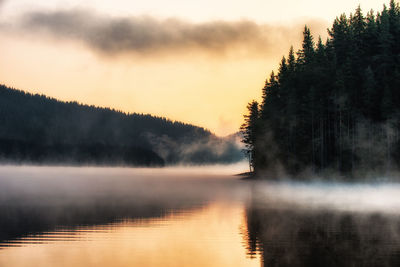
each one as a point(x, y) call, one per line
point(249, 132)
point(306, 54)
point(314, 106)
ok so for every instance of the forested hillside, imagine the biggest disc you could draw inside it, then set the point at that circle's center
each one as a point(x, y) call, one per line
point(334, 104)
point(39, 129)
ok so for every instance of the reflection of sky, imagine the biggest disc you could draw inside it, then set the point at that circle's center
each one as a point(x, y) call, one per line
point(211, 232)
point(123, 217)
point(205, 237)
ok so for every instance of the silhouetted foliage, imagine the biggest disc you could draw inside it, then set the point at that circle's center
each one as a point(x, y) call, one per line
point(39, 129)
point(296, 237)
point(249, 130)
point(336, 105)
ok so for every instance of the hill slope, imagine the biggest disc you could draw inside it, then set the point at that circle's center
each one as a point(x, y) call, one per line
point(40, 129)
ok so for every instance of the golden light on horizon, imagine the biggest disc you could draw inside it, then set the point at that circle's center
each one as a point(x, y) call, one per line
point(193, 91)
point(200, 85)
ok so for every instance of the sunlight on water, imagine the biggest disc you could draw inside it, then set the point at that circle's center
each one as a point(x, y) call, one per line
point(182, 216)
point(61, 216)
point(208, 236)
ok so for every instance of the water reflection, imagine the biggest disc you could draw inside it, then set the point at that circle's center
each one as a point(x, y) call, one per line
point(133, 217)
point(322, 233)
point(121, 217)
point(207, 236)
point(40, 199)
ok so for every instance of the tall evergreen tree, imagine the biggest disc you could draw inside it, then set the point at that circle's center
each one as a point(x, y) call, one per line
point(249, 132)
point(306, 54)
point(323, 108)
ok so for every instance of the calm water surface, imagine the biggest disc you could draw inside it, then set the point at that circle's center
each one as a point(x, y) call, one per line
point(59, 216)
point(122, 217)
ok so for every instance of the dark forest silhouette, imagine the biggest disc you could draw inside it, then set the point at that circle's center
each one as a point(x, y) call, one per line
point(290, 237)
point(333, 105)
point(38, 129)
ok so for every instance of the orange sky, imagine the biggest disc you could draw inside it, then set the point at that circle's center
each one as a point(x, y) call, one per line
point(191, 68)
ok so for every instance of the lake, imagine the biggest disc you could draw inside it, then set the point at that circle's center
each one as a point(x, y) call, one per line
point(203, 216)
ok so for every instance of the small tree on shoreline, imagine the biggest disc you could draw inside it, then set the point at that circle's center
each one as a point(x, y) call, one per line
point(249, 131)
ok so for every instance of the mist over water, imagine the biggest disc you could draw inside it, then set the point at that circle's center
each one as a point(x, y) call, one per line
point(184, 216)
point(352, 197)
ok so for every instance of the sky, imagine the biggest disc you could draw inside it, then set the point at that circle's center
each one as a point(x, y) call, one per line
point(195, 61)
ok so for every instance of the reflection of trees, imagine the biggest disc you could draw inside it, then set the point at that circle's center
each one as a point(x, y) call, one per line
point(19, 220)
point(45, 204)
point(288, 237)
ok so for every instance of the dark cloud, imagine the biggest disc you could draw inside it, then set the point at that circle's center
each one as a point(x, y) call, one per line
point(145, 34)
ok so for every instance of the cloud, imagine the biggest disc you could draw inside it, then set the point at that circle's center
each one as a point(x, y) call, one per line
point(148, 35)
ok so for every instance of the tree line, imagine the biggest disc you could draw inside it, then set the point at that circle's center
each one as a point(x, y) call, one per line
point(334, 104)
point(39, 129)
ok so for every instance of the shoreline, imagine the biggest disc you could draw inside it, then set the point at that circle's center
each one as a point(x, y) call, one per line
point(246, 175)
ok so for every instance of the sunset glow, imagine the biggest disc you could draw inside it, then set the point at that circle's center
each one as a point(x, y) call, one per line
point(206, 82)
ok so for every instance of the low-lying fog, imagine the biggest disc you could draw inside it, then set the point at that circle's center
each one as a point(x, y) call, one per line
point(34, 199)
point(352, 197)
point(288, 223)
